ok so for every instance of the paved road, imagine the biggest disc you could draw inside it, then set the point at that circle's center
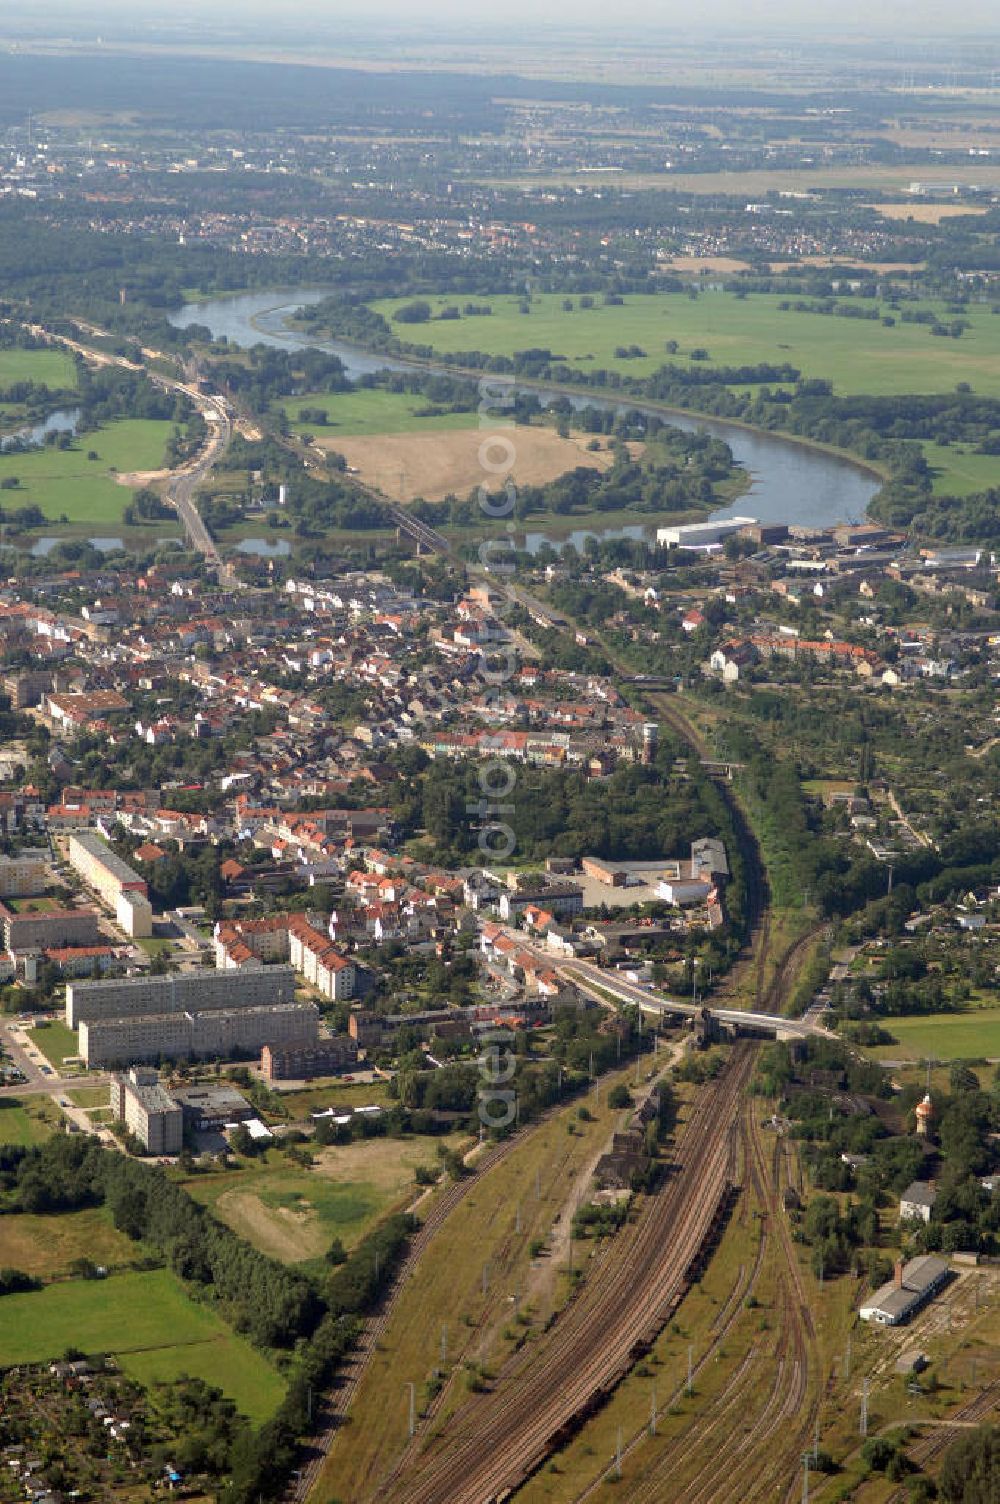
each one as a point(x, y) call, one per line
point(213, 408)
point(29, 1059)
point(658, 1003)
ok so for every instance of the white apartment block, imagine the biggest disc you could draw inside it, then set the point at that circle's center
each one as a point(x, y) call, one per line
point(219, 1033)
point(134, 915)
point(178, 992)
point(148, 1111)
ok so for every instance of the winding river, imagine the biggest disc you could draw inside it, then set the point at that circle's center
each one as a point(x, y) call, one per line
point(790, 482)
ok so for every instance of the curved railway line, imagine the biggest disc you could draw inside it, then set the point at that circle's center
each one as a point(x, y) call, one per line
point(545, 1393)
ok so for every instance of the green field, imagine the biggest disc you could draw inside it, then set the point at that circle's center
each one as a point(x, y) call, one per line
point(20, 1124)
point(52, 368)
point(960, 471)
point(63, 482)
point(150, 1325)
point(46, 1246)
point(370, 410)
point(971, 1035)
point(55, 1041)
point(857, 355)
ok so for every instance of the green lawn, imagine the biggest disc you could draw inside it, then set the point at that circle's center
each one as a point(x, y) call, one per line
point(857, 355)
point(20, 1125)
point(945, 1036)
point(53, 368)
point(149, 1323)
point(55, 1041)
point(370, 410)
point(63, 482)
point(88, 1096)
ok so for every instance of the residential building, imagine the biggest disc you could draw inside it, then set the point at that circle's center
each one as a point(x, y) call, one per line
point(48, 928)
point(148, 1111)
point(917, 1201)
point(23, 876)
point(219, 1033)
point(110, 877)
point(178, 992)
point(301, 1062)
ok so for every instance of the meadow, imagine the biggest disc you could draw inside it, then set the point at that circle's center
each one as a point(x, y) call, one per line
point(857, 355)
point(294, 1213)
point(64, 482)
point(960, 471)
point(46, 1246)
point(147, 1321)
point(972, 1035)
point(52, 368)
point(371, 410)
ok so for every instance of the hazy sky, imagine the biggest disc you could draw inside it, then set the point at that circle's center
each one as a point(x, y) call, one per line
point(905, 17)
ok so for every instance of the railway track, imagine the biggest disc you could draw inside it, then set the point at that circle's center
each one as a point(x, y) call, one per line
point(546, 1392)
point(748, 1439)
point(985, 1406)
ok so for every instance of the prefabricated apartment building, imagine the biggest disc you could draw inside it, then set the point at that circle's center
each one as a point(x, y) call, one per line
point(188, 1015)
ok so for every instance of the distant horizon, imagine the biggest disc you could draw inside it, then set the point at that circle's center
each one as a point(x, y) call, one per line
point(769, 19)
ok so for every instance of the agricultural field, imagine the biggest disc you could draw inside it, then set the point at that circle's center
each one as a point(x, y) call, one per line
point(371, 410)
point(55, 1041)
point(857, 355)
point(293, 1213)
point(960, 471)
point(25, 1122)
point(971, 1035)
point(435, 465)
point(65, 483)
point(147, 1321)
point(52, 368)
point(46, 1246)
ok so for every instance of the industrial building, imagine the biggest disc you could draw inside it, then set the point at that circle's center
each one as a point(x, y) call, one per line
point(148, 1111)
point(207, 1106)
point(912, 1285)
point(123, 891)
point(178, 992)
point(701, 536)
point(216, 1033)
